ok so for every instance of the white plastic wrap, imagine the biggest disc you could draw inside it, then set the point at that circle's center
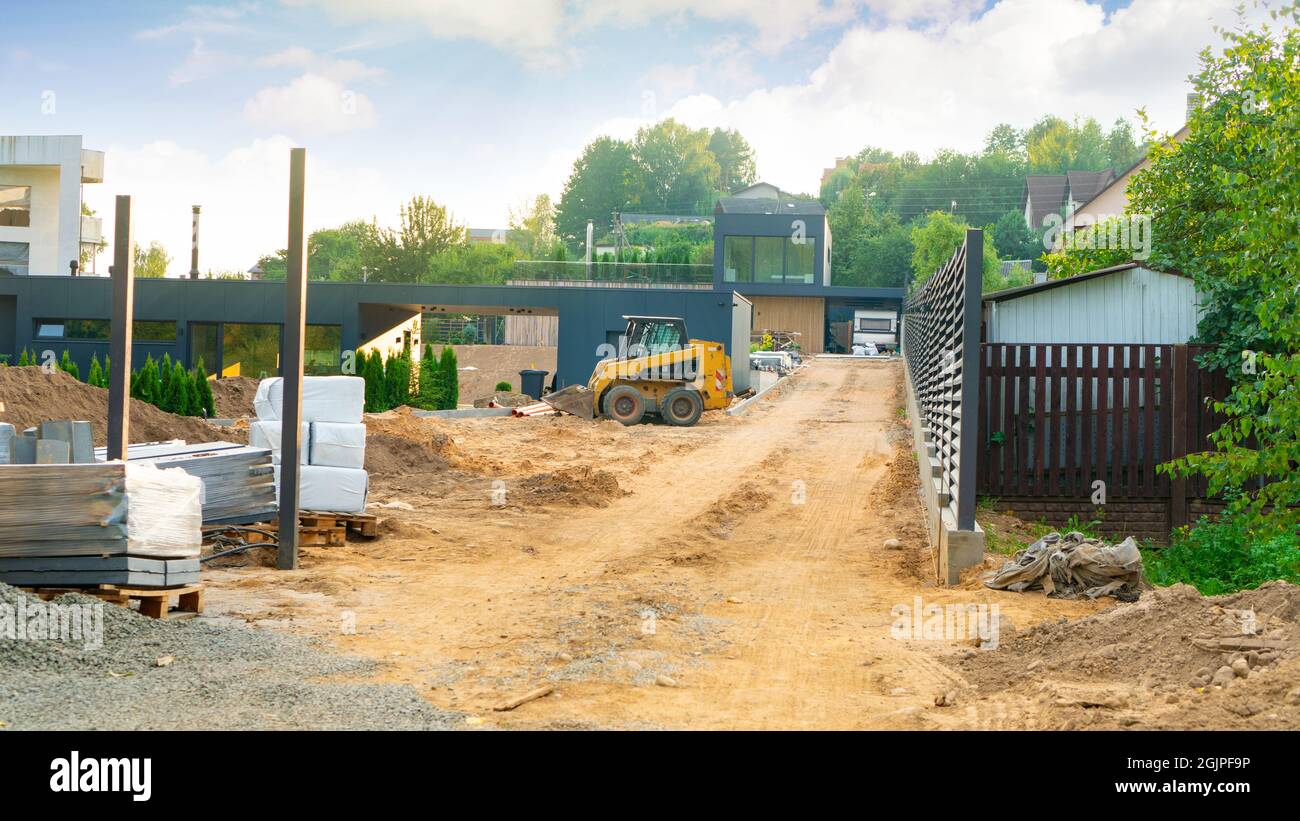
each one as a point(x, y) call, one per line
point(338, 445)
point(332, 490)
point(267, 435)
point(324, 399)
point(164, 514)
point(6, 433)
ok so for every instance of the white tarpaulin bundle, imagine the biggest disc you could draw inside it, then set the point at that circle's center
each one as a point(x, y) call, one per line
point(332, 477)
point(333, 490)
point(1073, 564)
point(324, 399)
point(267, 435)
point(338, 445)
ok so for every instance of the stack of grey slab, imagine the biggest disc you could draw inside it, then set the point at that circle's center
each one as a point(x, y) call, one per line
point(238, 480)
point(55, 442)
point(112, 523)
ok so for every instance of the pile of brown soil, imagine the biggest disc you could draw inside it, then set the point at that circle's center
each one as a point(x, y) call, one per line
point(233, 396)
point(735, 507)
point(582, 486)
point(31, 396)
point(398, 442)
point(1167, 640)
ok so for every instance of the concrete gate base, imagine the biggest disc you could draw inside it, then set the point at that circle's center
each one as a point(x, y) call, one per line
point(957, 549)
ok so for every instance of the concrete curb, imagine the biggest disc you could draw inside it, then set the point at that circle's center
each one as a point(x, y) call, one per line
point(464, 413)
point(743, 407)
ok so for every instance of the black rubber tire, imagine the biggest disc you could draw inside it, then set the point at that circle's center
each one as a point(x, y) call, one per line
point(682, 407)
point(624, 404)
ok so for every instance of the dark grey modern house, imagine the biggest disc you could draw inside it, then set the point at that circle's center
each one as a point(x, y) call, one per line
point(777, 252)
point(234, 325)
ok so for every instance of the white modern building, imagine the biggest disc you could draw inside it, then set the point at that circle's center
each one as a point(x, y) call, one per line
point(42, 230)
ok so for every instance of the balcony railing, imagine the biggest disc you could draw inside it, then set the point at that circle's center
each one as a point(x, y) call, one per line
point(636, 274)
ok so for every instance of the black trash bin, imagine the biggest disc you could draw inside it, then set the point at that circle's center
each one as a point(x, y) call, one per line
point(531, 381)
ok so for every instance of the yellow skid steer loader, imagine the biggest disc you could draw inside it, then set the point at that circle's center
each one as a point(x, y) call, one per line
point(662, 371)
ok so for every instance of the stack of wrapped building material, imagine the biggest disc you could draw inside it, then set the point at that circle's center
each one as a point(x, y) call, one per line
point(332, 444)
point(56, 442)
point(129, 524)
point(238, 480)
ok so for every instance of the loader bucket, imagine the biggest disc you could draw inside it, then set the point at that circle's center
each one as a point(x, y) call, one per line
point(575, 399)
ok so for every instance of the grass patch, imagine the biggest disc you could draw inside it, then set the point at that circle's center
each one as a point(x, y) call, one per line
point(1225, 556)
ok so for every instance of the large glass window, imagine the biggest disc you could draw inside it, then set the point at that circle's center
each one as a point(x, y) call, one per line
point(16, 206)
point(95, 329)
point(799, 260)
point(323, 349)
point(738, 259)
point(769, 259)
point(14, 257)
point(204, 346)
point(250, 350)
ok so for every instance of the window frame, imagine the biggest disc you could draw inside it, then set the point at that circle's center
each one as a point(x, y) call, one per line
point(20, 206)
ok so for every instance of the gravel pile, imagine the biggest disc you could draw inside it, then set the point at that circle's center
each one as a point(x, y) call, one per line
point(151, 674)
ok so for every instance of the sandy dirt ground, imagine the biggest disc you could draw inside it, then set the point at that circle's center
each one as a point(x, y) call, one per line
point(730, 575)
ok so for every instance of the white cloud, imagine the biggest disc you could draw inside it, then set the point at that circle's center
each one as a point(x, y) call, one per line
point(244, 195)
point(312, 103)
point(200, 64)
point(514, 26)
point(537, 31)
point(204, 20)
point(946, 86)
point(339, 70)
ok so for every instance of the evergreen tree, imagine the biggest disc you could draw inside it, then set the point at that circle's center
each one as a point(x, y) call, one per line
point(450, 378)
point(194, 396)
point(177, 391)
point(147, 390)
point(372, 370)
point(23, 361)
point(68, 366)
point(164, 396)
point(96, 376)
point(428, 387)
point(206, 403)
point(397, 379)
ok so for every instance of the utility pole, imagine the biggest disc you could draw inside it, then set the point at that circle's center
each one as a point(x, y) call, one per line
point(295, 318)
point(119, 347)
point(591, 231)
point(194, 244)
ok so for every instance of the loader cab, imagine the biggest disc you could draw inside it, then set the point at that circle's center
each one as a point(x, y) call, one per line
point(648, 335)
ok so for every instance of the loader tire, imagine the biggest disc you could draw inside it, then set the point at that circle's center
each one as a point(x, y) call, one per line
point(682, 407)
point(624, 404)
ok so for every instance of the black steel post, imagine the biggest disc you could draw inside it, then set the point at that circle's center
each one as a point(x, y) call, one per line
point(970, 378)
point(295, 317)
point(119, 348)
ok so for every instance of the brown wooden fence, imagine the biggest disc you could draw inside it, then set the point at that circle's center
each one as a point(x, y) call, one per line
point(1056, 419)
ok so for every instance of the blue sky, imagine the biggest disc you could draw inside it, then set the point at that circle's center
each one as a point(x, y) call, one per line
point(484, 103)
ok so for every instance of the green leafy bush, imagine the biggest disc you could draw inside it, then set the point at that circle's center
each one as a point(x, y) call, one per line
point(1224, 556)
point(504, 386)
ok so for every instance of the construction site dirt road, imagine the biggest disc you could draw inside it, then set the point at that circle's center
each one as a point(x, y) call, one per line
point(730, 575)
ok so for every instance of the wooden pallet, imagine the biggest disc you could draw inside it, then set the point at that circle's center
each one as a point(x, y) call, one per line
point(316, 529)
point(364, 525)
point(154, 602)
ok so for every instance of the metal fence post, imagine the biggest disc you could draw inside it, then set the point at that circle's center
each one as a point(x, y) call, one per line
point(119, 348)
point(295, 316)
point(970, 371)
